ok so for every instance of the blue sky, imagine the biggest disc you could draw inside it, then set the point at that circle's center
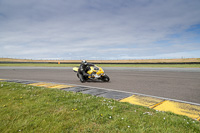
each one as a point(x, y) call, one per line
point(99, 29)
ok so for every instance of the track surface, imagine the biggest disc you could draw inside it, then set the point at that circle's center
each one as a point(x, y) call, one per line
point(180, 84)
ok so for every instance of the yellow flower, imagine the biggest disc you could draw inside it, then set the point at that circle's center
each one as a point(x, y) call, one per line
point(75, 109)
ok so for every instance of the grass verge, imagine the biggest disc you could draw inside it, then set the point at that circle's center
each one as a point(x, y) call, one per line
point(105, 65)
point(26, 108)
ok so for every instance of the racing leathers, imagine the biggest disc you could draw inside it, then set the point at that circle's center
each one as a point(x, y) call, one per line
point(82, 71)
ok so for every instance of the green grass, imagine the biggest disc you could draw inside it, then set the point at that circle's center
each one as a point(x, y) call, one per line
point(104, 65)
point(28, 109)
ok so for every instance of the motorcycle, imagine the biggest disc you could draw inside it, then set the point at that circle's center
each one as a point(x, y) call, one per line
point(95, 72)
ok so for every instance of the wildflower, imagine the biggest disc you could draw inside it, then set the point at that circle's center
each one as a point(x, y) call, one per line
point(101, 114)
point(21, 97)
point(4, 105)
point(164, 118)
point(128, 126)
point(110, 117)
point(19, 130)
point(149, 113)
point(122, 118)
point(75, 109)
point(72, 109)
point(187, 122)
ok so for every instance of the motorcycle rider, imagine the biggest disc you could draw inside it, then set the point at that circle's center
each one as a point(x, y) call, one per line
point(82, 71)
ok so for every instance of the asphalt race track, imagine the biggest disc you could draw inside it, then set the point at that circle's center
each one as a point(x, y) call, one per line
point(175, 83)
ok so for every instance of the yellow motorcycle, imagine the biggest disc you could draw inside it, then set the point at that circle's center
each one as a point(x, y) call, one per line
point(95, 72)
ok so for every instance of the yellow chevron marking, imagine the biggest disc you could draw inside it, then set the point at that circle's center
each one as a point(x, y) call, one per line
point(157, 104)
point(192, 111)
point(38, 84)
point(189, 110)
point(60, 86)
point(142, 100)
point(46, 85)
point(51, 85)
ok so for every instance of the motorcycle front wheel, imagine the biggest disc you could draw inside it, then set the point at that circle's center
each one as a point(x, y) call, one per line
point(105, 78)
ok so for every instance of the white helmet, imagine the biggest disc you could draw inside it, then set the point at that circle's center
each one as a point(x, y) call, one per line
point(84, 62)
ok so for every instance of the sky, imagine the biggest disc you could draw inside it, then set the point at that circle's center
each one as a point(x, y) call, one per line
point(99, 29)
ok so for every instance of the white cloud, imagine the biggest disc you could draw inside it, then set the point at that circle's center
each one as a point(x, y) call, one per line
point(97, 28)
